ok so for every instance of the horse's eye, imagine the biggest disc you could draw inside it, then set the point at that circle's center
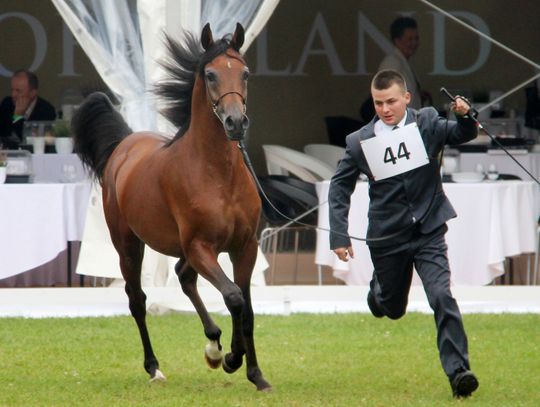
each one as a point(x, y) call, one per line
point(245, 75)
point(210, 76)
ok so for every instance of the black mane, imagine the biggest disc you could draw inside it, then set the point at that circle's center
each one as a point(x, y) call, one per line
point(184, 62)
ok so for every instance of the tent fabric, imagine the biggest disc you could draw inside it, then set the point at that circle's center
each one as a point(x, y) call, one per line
point(122, 40)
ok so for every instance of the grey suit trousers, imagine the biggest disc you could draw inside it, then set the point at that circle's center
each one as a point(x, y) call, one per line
point(392, 280)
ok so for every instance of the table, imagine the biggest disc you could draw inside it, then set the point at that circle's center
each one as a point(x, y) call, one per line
point(37, 222)
point(52, 168)
point(503, 163)
point(34, 209)
point(495, 220)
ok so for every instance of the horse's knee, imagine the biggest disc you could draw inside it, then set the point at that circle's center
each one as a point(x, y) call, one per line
point(188, 285)
point(234, 300)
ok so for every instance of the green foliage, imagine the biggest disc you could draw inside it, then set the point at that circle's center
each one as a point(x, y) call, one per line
point(311, 360)
point(3, 159)
point(62, 128)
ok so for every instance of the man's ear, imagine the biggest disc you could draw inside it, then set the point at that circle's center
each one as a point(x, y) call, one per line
point(407, 97)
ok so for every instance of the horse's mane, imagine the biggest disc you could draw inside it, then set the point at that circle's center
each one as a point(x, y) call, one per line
point(185, 60)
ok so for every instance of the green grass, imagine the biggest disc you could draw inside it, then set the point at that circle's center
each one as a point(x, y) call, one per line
point(311, 360)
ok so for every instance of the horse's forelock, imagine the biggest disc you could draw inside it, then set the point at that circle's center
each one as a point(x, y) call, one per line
point(219, 47)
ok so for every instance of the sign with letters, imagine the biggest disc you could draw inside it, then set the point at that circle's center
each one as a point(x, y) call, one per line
point(395, 152)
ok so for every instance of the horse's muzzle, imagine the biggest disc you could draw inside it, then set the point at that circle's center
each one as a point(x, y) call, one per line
point(235, 128)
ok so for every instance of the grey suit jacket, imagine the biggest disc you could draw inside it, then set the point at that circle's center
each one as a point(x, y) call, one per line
point(405, 202)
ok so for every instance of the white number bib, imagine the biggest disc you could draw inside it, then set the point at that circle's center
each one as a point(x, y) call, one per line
point(395, 152)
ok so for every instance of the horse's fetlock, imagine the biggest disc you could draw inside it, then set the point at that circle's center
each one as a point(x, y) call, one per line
point(213, 334)
point(231, 363)
point(151, 365)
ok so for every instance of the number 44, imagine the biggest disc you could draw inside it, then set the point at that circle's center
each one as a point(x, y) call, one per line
point(402, 153)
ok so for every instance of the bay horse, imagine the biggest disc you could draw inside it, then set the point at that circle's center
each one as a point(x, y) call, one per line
point(189, 197)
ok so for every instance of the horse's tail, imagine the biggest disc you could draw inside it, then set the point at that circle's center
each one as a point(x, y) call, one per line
point(97, 129)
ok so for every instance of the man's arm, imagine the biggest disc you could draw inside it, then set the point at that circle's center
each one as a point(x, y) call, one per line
point(342, 186)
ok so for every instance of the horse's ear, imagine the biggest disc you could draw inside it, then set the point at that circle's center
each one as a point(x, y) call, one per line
point(237, 39)
point(206, 37)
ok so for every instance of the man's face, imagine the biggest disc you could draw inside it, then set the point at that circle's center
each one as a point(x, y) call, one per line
point(21, 89)
point(408, 42)
point(390, 104)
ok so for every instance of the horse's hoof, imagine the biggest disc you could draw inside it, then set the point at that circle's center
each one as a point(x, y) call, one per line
point(158, 377)
point(212, 363)
point(266, 387)
point(212, 354)
point(257, 379)
point(228, 366)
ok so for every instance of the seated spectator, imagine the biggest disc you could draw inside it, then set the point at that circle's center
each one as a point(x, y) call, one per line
point(23, 104)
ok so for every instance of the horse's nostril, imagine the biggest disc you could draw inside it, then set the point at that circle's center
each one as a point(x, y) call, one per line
point(229, 123)
point(245, 122)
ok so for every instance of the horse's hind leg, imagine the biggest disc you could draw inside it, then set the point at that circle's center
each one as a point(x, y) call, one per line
point(131, 251)
point(243, 267)
point(188, 280)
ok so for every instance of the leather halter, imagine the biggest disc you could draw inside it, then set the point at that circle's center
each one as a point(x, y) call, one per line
point(215, 104)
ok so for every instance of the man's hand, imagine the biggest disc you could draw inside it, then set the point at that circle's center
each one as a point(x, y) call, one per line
point(459, 106)
point(21, 105)
point(343, 253)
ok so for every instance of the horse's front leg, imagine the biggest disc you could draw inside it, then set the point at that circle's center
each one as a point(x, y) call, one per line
point(204, 261)
point(243, 262)
point(188, 280)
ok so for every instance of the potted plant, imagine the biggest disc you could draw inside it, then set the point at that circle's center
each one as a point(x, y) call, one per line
point(63, 141)
point(3, 167)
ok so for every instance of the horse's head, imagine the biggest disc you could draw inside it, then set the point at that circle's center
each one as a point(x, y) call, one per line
point(225, 79)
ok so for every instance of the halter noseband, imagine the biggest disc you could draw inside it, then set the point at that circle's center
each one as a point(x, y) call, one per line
point(216, 103)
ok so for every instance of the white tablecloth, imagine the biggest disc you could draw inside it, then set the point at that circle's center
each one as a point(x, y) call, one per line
point(495, 220)
point(57, 168)
point(505, 165)
point(37, 221)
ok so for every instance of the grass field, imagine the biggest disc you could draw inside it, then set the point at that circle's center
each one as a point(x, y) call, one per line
point(311, 360)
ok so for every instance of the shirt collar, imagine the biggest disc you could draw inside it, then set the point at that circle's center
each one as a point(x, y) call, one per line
point(382, 126)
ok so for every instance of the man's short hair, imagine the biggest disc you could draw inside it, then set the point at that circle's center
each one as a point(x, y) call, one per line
point(399, 25)
point(33, 82)
point(386, 78)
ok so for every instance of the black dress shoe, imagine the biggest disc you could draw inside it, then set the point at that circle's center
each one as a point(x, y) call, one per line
point(373, 307)
point(464, 383)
